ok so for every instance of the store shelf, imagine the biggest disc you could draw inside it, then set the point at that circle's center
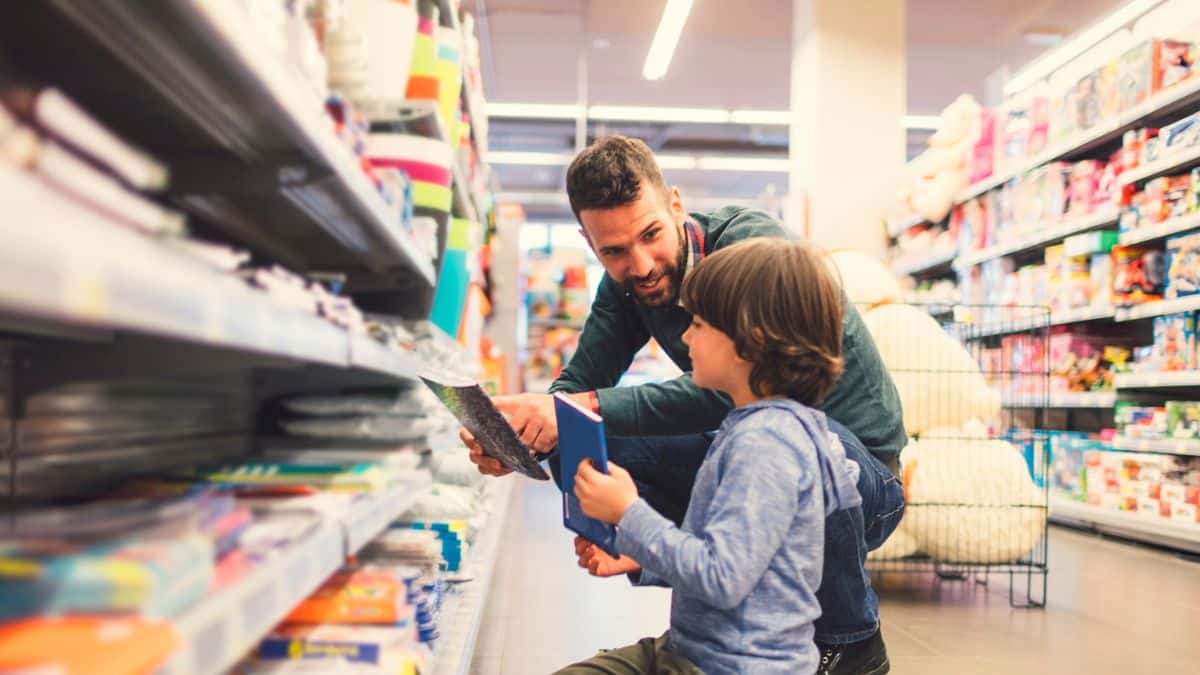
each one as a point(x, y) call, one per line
point(577, 324)
point(1083, 399)
point(1147, 310)
point(1176, 162)
point(1152, 529)
point(1022, 325)
point(1181, 378)
point(1162, 446)
point(65, 263)
point(1163, 230)
point(930, 264)
point(1163, 104)
point(901, 226)
point(222, 630)
point(1045, 236)
point(250, 148)
point(462, 610)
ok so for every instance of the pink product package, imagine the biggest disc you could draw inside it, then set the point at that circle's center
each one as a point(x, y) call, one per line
point(983, 155)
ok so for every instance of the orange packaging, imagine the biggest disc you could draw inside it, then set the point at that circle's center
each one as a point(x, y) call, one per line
point(86, 645)
point(360, 597)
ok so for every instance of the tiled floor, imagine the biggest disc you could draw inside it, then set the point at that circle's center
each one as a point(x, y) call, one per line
point(1113, 608)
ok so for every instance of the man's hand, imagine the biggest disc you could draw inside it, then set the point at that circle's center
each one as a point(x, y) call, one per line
point(532, 417)
point(604, 497)
point(487, 466)
point(600, 564)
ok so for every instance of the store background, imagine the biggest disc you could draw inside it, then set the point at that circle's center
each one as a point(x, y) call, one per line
point(236, 230)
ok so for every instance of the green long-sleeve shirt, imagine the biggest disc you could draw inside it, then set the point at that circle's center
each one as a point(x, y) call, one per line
point(865, 399)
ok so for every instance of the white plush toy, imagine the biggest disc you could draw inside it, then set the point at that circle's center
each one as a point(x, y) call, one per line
point(939, 382)
point(865, 279)
point(971, 499)
point(939, 174)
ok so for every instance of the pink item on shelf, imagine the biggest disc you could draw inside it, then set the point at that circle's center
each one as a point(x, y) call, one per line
point(983, 154)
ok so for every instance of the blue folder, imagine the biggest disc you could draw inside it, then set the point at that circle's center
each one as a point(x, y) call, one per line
point(580, 437)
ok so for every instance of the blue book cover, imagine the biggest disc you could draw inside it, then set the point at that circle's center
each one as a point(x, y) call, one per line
point(580, 437)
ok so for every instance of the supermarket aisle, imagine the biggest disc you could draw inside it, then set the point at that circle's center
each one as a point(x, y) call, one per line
point(1114, 608)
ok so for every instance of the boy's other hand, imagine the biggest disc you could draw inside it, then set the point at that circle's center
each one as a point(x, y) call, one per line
point(604, 497)
point(487, 466)
point(600, 564)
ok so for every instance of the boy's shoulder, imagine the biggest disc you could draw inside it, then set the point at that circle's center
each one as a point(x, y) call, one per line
point(786, 421)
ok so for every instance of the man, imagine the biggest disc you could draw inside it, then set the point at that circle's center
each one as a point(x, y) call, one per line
point(647, 243)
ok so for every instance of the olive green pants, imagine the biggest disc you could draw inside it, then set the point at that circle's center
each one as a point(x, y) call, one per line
point(648, 657)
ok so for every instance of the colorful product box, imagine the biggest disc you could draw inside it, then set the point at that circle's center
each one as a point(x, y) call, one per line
point(1099, 241)
point(1183, 265)
point(1175, 341)
point(1138, 274)
point(1135, 75)
point(1183, 421)
point(1175, 61)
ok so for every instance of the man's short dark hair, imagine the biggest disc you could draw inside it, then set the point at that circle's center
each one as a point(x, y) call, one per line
point(782, 307)
point(609, 173)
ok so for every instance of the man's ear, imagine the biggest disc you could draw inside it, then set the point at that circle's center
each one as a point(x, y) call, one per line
point(675, 200)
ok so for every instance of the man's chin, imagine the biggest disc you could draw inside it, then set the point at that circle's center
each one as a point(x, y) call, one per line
point(656, 299)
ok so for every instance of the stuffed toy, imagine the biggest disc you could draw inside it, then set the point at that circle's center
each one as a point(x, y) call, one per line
point(864, 278)
point(971, 499)
point(940, 384)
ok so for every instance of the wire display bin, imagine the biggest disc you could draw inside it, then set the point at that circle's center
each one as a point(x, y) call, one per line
point(975, 388)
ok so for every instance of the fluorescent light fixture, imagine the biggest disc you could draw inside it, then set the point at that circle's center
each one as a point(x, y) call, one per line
point(530, 158)
point(718, 163)
point(636, 113)
point(675, 162)
point(1076, 45)
point(930, 122)
point(544, 111)
point(658, 59)
point(783, 117)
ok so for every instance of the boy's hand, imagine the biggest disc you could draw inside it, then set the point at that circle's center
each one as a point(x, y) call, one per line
point(604, 497)
point(600, 564)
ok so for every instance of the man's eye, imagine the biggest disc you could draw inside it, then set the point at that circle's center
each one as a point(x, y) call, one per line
point(652, 234)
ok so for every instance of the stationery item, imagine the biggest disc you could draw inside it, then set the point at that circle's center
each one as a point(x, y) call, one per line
point(86, 645)
point(580, 437)
point(350, 477)
point(476, 412)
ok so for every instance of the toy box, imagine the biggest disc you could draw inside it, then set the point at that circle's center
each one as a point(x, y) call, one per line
point(1175, 341)
point(1083, 184)
point(1135, 75)
point(1183, 422)
point(1137, 274)
point(983, 153)
point(1141, 422)
point(1183, 265)
point(1039, 125)
point(1179, 135)
point(1087, 101)
point(1087, 243)
point(1101, 279)
point(1175, 61)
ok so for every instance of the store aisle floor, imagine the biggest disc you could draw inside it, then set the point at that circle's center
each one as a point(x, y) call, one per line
point(1113, 608)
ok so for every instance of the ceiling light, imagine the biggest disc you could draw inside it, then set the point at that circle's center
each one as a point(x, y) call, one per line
point(929, 122)
point(675, 162)
point(634, 113)
point(782, 117)
point(658, 59)
point(719, 163)
point(1080, 43)
point(547, 111)
point(530, 158)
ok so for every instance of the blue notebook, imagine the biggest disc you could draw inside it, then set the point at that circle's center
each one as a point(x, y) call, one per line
point(580, 437)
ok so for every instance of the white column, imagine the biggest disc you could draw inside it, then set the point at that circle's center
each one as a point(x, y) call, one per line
point(848, 100)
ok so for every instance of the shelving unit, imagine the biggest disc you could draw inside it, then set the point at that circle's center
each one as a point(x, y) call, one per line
point(1151, 529)
point(1184, 159)
point(1183, 378)
point(462, 610)
point(1082, 399)
point(934, 263)
point(1045, 236)
point(250, 149)
point(1163, 105)
point(1021, 325)
point(223, 628)
point(1164, 446)
point(1149, 310)
point(1144, 235)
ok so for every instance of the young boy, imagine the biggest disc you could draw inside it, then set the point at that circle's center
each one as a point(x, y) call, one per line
point(746, 563)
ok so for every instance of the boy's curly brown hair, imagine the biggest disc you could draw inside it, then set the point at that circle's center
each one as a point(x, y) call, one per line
point(780, 304)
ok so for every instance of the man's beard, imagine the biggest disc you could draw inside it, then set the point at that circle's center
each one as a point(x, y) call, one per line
point(669, 294)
